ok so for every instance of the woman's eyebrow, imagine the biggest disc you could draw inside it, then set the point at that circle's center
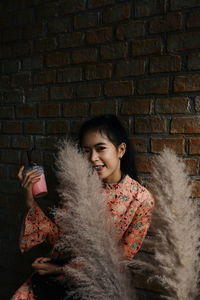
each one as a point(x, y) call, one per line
point(96, 145)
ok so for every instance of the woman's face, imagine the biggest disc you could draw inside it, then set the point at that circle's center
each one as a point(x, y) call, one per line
point(103, 155)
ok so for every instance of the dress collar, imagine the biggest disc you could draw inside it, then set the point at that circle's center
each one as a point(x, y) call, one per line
point(110, 186)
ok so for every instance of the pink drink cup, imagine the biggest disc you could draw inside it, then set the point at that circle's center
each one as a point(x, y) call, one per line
point(39, 188)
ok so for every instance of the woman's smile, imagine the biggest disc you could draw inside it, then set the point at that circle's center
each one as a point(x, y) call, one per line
point(103, 155)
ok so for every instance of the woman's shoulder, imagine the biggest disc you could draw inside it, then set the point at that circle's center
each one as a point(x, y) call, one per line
point(141, 192)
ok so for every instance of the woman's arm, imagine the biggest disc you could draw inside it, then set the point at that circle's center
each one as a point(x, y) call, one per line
point(137, 230)
point(37, 227)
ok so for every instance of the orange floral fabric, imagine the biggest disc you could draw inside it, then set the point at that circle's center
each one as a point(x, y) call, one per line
point(130, 205)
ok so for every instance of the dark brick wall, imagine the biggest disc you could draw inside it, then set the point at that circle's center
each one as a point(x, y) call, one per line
point(64, 61)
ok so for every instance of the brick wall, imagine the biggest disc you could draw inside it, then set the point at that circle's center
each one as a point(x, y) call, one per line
point(64, 61)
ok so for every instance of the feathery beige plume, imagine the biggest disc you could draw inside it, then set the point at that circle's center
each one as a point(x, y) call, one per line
point(87, 231)
point(175, 221)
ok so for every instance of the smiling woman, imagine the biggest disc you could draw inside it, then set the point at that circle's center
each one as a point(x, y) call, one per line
point(105, 144)
point(103, 155)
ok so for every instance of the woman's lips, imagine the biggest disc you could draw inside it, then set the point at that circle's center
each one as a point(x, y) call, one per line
point(99, 168)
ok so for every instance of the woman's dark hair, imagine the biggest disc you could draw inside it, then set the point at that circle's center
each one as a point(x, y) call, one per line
point(116, 133)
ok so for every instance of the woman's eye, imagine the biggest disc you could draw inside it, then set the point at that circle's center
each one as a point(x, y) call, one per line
point(101, 148)
point(86, 151)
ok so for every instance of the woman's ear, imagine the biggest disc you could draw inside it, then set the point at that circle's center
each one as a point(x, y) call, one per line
point(121, 150)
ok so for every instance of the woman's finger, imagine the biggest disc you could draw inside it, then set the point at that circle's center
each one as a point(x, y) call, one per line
point(19, 175)
point(30, 179)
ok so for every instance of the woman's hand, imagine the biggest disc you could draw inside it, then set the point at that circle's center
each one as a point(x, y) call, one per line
point(27, 182)
point(42, 267)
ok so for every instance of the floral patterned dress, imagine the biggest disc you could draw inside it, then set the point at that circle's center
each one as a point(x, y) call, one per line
point(130, 205)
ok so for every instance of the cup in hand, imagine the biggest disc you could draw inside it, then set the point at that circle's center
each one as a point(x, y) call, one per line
point(39, 188)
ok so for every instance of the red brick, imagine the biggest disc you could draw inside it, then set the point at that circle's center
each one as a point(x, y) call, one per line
point(88, 91)
point(5, 51)
point(183, 41)
point(10, 156)
point(86, 55)
point(32, 32)
point(49, 110)
point(34, 127)
point(45, 10)
point(21, 142)
point(99, 71)
point(57, 126)
point(148, 8)
point(185, 125)
point(44, 44)
point(10, 66)
point(4, 141)
point(194, 61)
point(75, 125)
point(165, 23)
point(172, 105)
point(166, 63)
point(12, 127)
point(20, 49)
point(130, 30)
point(196, 189)
point(176, 144)
point(61, 24)
point(46, 142)
point(192, 165)
point(114, 51)
point(133, 67)
point(7, 112)
point(136, 106)
point(12, 171)
point(119, 88)
point(57, 59)
point(85, 20)
point(179, 4)
point(13, 97)
point(32, 63)
point(139, 144)
point(189, 83)
point(69, 74)
point(194, 145)
point(99, 3)
point(23, 17)
point(72, 6)
point(61, 92)
point(102, 107)
point(143, 164)
point(26, 111)
point(98, 36)
point(49, 159)
point(4, 172)
point(44, 77)
point(72, 39)
point(158, 85)
point(4, 82)
point(22, 79)
point(150, 125)
point(146, 47)
point(75, 109)
point(116, 13)
point(197, 103)
point(194, 19)
point(37, 95)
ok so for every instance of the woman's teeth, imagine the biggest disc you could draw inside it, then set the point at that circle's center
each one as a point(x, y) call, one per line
point(98, 168)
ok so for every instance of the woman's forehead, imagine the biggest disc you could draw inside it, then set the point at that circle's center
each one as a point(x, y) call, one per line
point(94, 137)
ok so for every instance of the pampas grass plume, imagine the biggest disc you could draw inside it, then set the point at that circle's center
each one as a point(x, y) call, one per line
point(87, 231)
point(176, 223)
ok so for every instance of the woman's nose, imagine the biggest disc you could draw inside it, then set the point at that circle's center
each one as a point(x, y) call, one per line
point(94, 156)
